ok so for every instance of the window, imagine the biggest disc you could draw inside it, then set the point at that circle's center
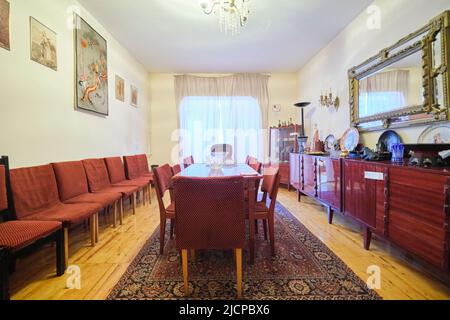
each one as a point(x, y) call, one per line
point(206, 121)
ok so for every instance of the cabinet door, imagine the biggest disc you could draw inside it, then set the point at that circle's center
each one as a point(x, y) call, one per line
point(364, 186)
point(284, 173)
point(329, 182)
point(295, 170)
point(418, 214)
point(309, 175)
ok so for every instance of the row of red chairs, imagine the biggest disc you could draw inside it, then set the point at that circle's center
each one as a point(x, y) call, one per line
point(45, 202)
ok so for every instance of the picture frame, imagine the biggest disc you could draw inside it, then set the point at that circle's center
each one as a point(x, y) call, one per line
point(120, 89)
point(134, 96)
point(43, 44)
point(5, 11)
point(91, 69)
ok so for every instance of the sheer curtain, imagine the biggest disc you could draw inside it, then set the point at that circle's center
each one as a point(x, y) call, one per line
point(222, 110)
point(383, 92)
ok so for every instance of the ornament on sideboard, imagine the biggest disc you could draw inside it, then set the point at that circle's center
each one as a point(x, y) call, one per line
point(328, 100)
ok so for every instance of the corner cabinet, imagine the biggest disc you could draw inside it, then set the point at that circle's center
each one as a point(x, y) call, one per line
point(406, 205)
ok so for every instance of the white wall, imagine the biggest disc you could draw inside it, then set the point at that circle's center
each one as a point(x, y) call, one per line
point(282, 91)
point(38, 123)
point(328, 69)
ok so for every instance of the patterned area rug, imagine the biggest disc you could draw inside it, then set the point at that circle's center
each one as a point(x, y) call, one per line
point(303, 269)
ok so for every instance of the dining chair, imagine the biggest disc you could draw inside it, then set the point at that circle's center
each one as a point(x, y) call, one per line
point(270, 186)
point(188, 161)
point(227, 149)
point(162, 180)
point(210, 216)
point(176, 169)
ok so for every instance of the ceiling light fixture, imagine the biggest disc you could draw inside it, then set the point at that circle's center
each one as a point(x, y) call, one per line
point(233, 14)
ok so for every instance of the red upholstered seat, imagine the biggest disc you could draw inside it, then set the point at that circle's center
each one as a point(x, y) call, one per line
point(73, 185)
point(3, 197)
point(35, 195)
point(16, 235)
point(143, 164)
point(176, 169)
point(132, 167)
point(98, 179)
point(117, 176)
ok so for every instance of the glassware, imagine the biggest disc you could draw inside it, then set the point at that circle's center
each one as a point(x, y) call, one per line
point(398, 153)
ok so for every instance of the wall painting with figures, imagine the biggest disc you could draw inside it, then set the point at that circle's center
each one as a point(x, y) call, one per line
point(91, 68)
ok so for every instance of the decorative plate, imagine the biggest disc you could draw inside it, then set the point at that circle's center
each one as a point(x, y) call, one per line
point(350, 140)
point(329, 143)
point(437, 134)
point(389, 138)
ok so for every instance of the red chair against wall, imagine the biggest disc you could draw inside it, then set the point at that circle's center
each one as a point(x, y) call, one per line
point(117, 176)
point(98, 181)
point(163, 176)
point(36, 198)
point(15, 236)
point(210, 216)
point(176, 169)
point(270, 187)
point(135, 169)
point(73, 188)
point(188, 161)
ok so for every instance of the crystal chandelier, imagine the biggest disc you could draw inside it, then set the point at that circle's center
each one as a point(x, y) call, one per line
point(233, 14)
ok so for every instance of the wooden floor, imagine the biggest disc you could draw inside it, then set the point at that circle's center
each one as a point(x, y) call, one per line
point(102, 266)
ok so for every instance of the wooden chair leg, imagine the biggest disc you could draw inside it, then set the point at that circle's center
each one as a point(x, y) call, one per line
point(256, 227)
point(193, 257)
point(144, 200)
point(272, 235)
point(92, 224)
point(97, 227)
point(162, 235)
point(252, 241)
point(184, 258)
point(60, 265)
point(115, 214)
point(172, 228)
point(133, 201)
point(150, 194)
point(121, 211)
point(4, 274)
point(66, 246)
point(239, 272)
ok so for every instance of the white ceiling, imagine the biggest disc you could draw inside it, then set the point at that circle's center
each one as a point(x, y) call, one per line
point(176, 36)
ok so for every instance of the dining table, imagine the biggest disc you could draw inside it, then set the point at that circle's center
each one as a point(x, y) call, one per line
point(251, 177)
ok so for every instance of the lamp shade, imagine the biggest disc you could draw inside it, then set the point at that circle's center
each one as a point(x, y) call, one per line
point(302, 104)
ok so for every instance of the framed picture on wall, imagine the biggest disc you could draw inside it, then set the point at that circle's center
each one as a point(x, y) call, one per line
point(43, 48)
point(4, 25)
point(134, 96)
point(91, 59)
point(120, 89)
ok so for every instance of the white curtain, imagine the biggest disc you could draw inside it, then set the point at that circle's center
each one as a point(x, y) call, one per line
point(383, 92)
point(222, 110)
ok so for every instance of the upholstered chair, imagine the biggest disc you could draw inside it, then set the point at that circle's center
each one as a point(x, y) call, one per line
point(163, 180)
point(188, 161)
point(210, 215)
point(176, 169)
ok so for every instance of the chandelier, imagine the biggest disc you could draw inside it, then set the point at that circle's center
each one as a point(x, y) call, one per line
point(233, 14)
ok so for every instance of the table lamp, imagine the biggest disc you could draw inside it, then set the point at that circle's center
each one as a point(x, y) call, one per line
point(302, 139)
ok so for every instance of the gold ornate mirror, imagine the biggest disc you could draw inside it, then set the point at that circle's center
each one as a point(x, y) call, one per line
point(406, 84)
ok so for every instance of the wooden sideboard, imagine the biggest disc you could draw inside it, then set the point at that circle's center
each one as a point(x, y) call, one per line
point(406, 205)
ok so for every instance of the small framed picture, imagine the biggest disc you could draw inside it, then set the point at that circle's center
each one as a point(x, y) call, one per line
point(276, 108)
point(120, 89)
point(134, 96)
point(43, 45)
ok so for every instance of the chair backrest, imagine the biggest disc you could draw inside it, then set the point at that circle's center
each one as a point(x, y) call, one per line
point(71, 179)
point(33, 189)
point(176, 169)
point(6, 200)
point(116, 169)
point(132, 168)
point(97, 174)
point(209, 213)
point(188, 161)
point(247, 160)
point(270, 186)
point(162, 181)
point(251, 160)
point(143, 164)
point(257, 166)
point(223, 148)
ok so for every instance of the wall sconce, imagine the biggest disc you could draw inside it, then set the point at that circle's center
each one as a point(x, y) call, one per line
point(328, 100)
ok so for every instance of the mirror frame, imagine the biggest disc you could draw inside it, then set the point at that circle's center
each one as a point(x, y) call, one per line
point(439, 25)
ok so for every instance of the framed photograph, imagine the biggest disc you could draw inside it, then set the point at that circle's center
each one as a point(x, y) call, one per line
point(91, 59)
point(4, 25)
point(134, 96)
point(43, 48)
point(120, 89)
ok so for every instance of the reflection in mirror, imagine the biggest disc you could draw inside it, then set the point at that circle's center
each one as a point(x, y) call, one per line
point(395, 87)
point(439, 91)
point(437, 51)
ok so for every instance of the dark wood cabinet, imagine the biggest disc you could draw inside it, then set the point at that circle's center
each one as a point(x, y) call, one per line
point(329, 182)
point(406, 205)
